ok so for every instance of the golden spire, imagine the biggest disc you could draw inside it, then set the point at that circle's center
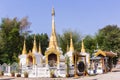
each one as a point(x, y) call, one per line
point(24, 48)
point(40, 51)
point(67, 47)
point(83, 49)
point(71, 43)
point(53, 12)
point(53, 39)
point(34, 46)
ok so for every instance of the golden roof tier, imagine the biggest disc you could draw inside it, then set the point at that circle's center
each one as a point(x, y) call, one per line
point(105, 53)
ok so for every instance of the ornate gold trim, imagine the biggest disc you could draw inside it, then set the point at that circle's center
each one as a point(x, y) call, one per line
point(83, 48)
point(33, 56)
point(52, 51)
point(71, 43)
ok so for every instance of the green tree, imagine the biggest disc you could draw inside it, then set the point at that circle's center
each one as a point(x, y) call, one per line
point(29, 42)
point(40, 38)
point(108, 38)
point(44, 41)
point(10, 40)
point(90, 44)
point(64, 40)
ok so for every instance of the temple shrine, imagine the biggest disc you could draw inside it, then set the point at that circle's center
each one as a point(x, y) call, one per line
point(54, 62)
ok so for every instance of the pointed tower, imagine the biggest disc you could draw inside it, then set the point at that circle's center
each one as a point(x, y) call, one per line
point(23, 56)
point(67, 47)
point(53, 51)
point(34, 50)
point(24, 48)
point(84, 53)
point(71, 43)
point(70, 52)
point(82, 49)
point(40, 51)
point(53, 39)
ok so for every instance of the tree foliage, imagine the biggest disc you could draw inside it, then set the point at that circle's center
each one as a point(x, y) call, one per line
point(108, 38)
point(90, 44)
point(40, 38)
point(10, 40)
point(64, 40)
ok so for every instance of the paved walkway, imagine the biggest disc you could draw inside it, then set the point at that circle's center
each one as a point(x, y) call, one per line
point(107, 76)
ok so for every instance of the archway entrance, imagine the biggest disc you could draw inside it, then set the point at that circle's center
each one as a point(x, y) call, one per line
point(81, 66)
point(52, 60)
point(30, 60)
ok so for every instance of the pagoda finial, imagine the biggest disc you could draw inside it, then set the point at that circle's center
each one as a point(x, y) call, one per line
point(24, 48)
point(71, 43)
point(34, 45)
point(53, 12)
point(40, 51)
point(82, 49)
point(53, 39)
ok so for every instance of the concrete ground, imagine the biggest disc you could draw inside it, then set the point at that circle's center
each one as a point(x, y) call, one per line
point(114, 75)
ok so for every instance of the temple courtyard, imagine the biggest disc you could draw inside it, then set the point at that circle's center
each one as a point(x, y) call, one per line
point(54, 65)
point(114, 75)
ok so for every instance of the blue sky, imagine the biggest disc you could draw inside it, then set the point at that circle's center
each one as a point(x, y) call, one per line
point(84, 16)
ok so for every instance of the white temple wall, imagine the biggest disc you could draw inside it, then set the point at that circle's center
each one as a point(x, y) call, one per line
point(38, 60)
point(23, 59)
point(71, 60)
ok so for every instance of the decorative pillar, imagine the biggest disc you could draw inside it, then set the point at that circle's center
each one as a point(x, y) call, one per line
point(27, 60)
point(104, 65)
point(75, 74)
point(89, 59)
point(73, 59)
point(58, 60)
point(34, 61)
point(86, 67)
point(111, 63)
point(46, 60)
